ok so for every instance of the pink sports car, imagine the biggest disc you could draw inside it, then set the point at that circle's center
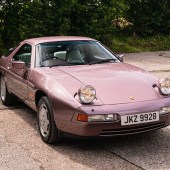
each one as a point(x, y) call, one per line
point(79, 87)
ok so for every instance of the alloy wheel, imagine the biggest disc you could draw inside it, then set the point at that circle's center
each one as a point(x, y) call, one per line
point(3, 89)
point(44, 120)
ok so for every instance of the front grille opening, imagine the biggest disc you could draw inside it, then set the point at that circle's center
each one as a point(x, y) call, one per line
point(131, 130)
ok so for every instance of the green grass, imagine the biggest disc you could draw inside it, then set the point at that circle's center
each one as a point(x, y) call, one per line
point(135, 44)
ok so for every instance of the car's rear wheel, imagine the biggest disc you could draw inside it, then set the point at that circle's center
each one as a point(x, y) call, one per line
point(46, 124)
point(6, 98)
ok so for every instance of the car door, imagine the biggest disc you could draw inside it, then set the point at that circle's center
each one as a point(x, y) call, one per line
point(19, 84)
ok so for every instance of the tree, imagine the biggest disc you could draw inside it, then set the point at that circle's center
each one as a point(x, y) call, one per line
point(9, 22)
point(93, 18)
point(149, 17)
point(22, 19)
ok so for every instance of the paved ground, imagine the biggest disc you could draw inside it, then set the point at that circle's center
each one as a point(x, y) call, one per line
point(156, 62)
point(22, 149)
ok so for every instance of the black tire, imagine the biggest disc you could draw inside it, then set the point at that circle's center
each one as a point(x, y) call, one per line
point(6, 98)
point(46, 124)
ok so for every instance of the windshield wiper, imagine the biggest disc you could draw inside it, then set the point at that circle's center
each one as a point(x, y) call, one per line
point(103, 61)
point(54, 65)
point(68, 64)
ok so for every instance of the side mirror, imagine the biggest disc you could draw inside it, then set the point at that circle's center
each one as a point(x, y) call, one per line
point(121, 57)
point(19, 67)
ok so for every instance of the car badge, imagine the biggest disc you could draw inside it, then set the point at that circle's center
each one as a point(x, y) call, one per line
point(132, 97)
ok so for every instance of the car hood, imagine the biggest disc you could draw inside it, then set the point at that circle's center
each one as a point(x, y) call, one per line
point(116, 82)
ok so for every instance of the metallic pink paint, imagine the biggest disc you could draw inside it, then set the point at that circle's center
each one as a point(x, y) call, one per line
point(115, 84)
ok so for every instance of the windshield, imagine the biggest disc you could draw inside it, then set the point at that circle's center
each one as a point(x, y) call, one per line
point(72, 53)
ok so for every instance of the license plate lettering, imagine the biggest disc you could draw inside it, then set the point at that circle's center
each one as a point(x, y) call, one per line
point(154, 116)
point(131, 119)
point(139, 118)
point(135, 118)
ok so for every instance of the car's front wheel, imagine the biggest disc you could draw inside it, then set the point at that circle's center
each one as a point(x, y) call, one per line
point(46, 124)
point(6, 98)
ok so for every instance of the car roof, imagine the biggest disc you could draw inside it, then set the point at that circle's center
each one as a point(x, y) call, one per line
point(56, 38)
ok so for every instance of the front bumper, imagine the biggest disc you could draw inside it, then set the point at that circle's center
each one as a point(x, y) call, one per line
point(105, 129)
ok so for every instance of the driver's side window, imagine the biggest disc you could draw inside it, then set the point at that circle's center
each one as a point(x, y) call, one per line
point(24, 54)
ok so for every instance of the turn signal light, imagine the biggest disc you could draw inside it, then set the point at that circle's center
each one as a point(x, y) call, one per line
point(82, 117)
